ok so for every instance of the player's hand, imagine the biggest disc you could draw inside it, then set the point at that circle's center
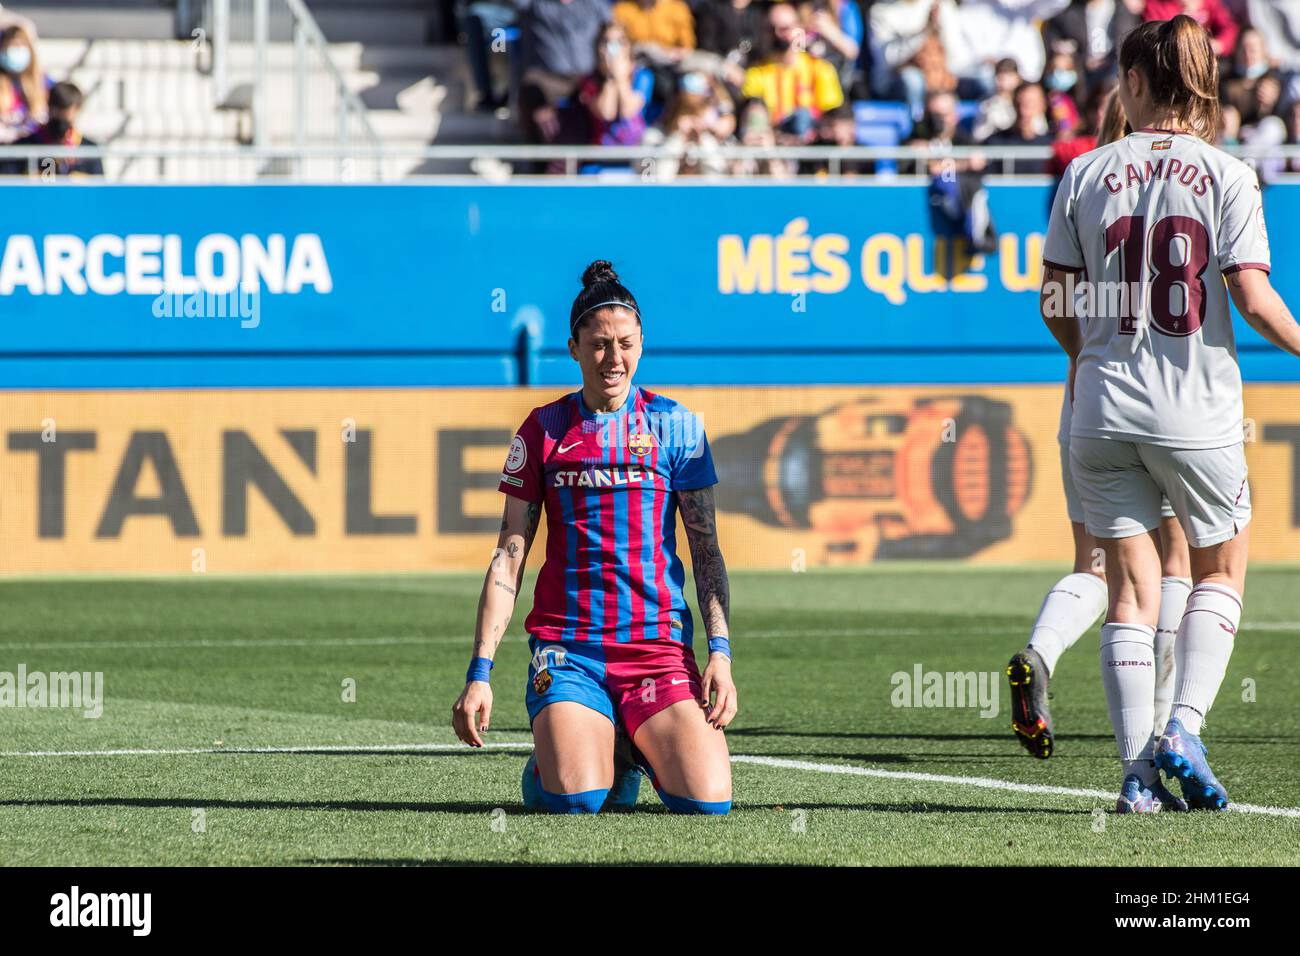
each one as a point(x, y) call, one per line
point(718, 687)
point(472, 712)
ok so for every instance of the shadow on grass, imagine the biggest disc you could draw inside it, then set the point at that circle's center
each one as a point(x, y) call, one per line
point(470, 808)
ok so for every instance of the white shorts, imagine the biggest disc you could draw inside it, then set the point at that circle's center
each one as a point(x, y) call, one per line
point(1120, 485)
point(1074, 507)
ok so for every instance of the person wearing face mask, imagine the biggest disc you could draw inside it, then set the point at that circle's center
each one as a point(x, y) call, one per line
point(1061, 80)
point(65, 100)
point(616, 94)
point(23, 97)
point(1278, 23)
point(1250, 64)
point(1092, 30)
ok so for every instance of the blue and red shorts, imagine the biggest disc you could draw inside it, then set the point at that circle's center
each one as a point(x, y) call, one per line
point(628, 683)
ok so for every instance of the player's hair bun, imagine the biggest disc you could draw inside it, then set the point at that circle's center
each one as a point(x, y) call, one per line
point(600, 287)
point(601, 270)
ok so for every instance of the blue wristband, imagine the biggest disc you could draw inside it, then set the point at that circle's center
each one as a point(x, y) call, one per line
point(720, 645)
point(480, 668)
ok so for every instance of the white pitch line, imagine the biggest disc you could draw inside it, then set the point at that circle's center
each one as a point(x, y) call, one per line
point(307, 749)
point(989, 783)
point(986, 782)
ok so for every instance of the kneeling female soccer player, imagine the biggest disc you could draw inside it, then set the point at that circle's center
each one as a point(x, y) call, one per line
point(611, 465)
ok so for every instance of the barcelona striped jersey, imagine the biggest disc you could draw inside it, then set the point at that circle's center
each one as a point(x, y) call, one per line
point(608, 483)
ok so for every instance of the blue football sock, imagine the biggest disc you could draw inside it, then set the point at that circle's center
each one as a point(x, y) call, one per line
point(688, 805)
point(589, 801)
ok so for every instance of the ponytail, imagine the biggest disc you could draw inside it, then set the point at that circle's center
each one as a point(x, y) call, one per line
point(1178, 61)
point(1114, 124)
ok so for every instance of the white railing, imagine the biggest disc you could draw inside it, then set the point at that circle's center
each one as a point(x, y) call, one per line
point(349, 162)
point(308, 91)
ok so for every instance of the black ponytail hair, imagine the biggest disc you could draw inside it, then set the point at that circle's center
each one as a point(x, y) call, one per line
point(600, 287)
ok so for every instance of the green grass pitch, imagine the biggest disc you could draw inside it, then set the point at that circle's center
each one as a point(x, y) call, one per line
point(221, 664)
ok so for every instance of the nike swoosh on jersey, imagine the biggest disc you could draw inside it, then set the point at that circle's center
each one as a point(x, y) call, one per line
point(564, 448)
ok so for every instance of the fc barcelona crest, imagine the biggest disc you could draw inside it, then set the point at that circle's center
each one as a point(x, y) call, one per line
point(640, 443)
point(542, 681)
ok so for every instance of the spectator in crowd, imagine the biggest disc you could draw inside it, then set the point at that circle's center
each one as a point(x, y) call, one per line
point(699, 119)
point(65, 100)
point(559, 43)
point(796, 86)
point(932, 62)
point(1083, 138)
point(1229, 126)
point(1029, 129)
point(23, 90)
point(663, 34)
point(994, 29)
point(898, 29)
point(755, 130)
point(1211, 14)
point(733, 29)
point(834, 31)
point(663, 29)
point(615, 95)
point(837, 128)
point(481, 22)
point(1093, 30)
point(1278, 21)
point(1061, 81)
point(1261, 103)
point(997, 111)
point(1250, 64)
point(939, 127)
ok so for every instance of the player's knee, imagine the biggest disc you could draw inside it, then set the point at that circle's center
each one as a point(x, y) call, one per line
point(586, 801)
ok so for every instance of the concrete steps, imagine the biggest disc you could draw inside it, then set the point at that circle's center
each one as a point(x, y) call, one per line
point(119, 20)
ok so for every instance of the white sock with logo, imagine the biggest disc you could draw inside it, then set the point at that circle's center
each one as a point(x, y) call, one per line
point(1173, 601)
point(1128, 674)
point(1070, 608)
point(1201, 653)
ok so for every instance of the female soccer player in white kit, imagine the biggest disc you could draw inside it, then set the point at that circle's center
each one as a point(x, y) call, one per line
point(1168, 219)
point(1076, 601)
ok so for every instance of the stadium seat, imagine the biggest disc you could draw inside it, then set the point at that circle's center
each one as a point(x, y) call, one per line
point(882, 124)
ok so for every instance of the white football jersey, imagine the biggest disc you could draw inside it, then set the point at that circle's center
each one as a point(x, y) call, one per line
point(1151, 224)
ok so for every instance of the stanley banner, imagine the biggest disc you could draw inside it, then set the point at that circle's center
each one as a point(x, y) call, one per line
point(405, 479)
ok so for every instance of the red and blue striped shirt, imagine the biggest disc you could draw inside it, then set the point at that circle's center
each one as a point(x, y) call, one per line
point(609, 485)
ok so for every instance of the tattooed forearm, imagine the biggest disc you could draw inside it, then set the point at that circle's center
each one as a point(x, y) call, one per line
point(505, 587)
point(711, 585)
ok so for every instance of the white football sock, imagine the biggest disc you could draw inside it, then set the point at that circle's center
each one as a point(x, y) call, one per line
point(1201, 653)
point(1070, 608)
point(1173, 600)
point(1128, 674)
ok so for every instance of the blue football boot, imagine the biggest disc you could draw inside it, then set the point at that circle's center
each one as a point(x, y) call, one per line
point(531, 785)
point(627, 776)
point(1180, 753)
point(1137, 797)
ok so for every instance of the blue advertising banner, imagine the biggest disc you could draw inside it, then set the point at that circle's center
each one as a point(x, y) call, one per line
point(405, 285)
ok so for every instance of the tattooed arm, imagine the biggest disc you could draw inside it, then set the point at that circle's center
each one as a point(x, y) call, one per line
point(713, 592)
point(496, 605)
